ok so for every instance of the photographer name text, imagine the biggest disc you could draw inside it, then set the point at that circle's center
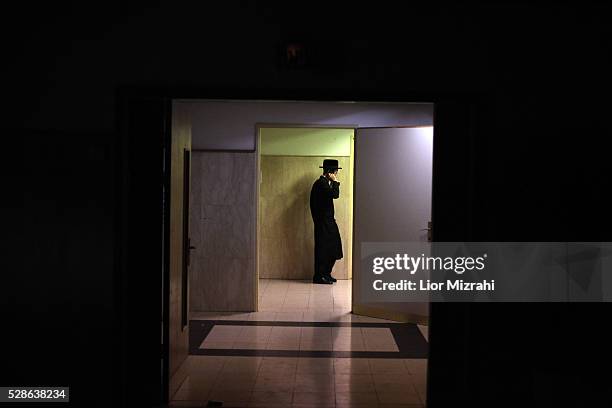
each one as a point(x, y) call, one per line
point(427, 285)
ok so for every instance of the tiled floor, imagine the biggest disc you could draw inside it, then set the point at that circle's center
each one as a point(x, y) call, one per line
point(262, 381)
point(295, 301)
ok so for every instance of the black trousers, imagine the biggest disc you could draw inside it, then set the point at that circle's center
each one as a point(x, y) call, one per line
point(323, 266)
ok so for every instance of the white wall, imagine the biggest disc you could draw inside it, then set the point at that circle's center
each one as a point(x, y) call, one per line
point(231, 125)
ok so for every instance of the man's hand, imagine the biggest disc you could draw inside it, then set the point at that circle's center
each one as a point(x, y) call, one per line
point(331, 176)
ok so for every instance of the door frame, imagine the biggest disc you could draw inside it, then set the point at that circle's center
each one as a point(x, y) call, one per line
point(458, 121)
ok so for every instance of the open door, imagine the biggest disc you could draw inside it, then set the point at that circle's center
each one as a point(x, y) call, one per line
point(392, 203)
point(178, 244)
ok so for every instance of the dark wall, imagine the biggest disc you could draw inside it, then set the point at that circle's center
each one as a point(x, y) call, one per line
point(58, 294)
point(541, 76)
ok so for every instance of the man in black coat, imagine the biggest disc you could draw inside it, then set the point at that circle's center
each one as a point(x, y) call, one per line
point(328, 245)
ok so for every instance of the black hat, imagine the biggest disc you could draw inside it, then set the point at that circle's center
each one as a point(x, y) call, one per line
point(330, 164)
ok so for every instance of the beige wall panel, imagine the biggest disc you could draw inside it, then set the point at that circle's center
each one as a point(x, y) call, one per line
point(286, 228)
point(222, 274)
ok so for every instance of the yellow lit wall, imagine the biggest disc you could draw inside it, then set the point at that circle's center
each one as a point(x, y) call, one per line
point(289, 165)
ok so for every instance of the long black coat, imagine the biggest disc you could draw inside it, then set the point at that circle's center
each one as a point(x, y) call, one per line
point(328, 244)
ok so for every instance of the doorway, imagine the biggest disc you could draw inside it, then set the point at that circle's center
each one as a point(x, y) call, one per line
point(292, 320)
point(289, 161)
point(395, 171)
point(147, 115)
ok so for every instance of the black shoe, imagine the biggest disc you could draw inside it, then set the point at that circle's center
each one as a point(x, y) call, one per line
point(322, 280)
point(331, 278)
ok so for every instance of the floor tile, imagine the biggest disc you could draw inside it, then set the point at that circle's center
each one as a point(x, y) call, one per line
point(416, 366)
point(271, 397)
point(314, 315)
point(351, 366)
point(196, 364)
point(262, 316)
point(242, 364)
point(316, 345)
point(315, 365)
point(274, 383)
point(289, 316)
point(224, 333)
point(278, 366)
point(192, 394)
point(199, 380)
point(320, 399)
point(314, 382)
point(241, 345)
point(316, 333)
point(229, 396)
point(234, 383)
point(380, 347)
point(350, 345)
point(356, 397)
point(206, 344)
point(388, 365)
point(282, 332)
point(284, 344)
point(354, 383)
point(398, 398)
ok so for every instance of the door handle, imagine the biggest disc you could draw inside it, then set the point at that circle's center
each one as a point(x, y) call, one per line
point(428, 229)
